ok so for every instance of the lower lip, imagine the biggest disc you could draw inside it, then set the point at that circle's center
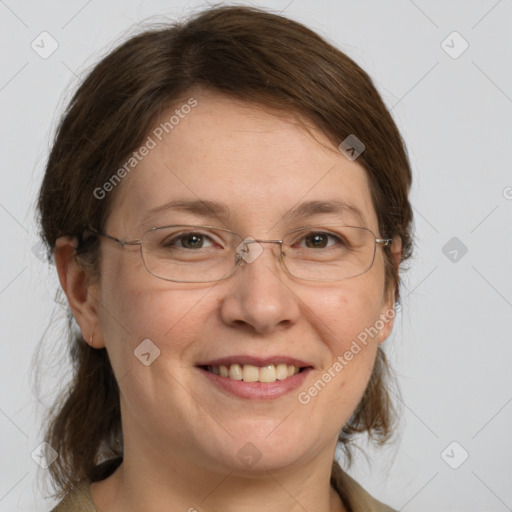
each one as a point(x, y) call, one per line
point(257, 390)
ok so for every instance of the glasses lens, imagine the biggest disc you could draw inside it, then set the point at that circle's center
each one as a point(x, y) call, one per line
point(189, 253)
point(330, 253)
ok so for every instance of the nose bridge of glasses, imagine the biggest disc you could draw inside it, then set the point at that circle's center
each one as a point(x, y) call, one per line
point(250, 249)
point(249, 240)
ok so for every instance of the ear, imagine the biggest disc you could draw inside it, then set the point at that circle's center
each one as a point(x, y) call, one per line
point(79, 289)
point(388, 313)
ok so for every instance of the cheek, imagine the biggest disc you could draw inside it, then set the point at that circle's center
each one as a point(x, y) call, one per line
point(351, 312)
point(348, 322)
point(172, 320)
point(142, 307)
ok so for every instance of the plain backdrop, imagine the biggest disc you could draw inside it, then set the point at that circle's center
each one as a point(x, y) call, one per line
point(443, 68)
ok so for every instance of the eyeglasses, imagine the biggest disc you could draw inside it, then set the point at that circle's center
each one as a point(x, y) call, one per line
point(200, 254)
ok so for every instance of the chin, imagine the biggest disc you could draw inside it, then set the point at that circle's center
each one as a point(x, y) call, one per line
point(247, 455)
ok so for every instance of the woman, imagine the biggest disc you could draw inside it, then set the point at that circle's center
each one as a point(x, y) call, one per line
point(226, 202)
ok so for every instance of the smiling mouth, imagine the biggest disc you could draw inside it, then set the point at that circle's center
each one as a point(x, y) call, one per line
point(252, 373)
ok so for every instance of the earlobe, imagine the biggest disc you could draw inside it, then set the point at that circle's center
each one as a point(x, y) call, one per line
point(396, 255)
point(396, 251)
point(387, 319)
point(77, 286)
point(91, 342)
point(388, 315)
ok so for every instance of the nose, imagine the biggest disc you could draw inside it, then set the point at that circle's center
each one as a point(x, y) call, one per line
point(259, 296)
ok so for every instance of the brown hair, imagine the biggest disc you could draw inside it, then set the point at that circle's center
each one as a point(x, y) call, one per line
point(248, 54)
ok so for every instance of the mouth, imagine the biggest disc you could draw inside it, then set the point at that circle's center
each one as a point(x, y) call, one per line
point(254, 377)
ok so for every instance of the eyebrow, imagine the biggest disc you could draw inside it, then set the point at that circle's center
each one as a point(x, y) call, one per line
point(208, 208)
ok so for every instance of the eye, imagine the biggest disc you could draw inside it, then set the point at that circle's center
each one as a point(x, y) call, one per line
point(320, 239)
point(190, 240)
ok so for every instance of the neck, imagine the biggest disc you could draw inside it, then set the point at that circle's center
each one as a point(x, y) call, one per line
point(170, 483)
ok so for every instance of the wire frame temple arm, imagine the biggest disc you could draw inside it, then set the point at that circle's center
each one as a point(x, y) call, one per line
point(123, 243)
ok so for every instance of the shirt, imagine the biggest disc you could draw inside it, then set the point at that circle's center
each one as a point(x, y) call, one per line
point(354, 497)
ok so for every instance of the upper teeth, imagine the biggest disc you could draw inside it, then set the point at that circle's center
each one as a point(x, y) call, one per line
point(251, 373)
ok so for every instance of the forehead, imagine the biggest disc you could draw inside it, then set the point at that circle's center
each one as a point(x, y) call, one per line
point(257, 166)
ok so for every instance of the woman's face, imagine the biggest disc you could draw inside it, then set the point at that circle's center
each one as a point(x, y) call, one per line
point(259, 167)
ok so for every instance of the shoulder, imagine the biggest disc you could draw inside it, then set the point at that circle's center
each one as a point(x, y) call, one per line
point(354, 495)
point(78, 500)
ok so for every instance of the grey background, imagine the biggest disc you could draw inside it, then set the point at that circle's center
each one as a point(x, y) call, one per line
point(451, 346)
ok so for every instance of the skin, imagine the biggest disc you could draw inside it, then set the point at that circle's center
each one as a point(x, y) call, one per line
point(181, 434)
